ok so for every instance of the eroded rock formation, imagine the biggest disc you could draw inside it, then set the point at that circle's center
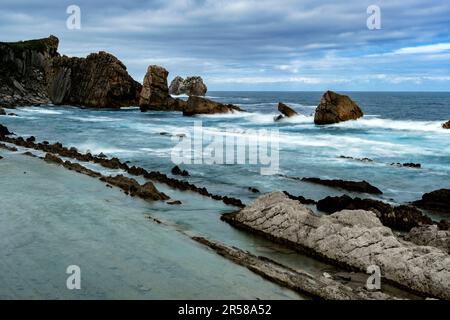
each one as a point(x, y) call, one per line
point(334, 108)
point(286, 110)
point(352, 238)
point(438, 200)
point(356, 186)
point(197, 105)
point(191, 86)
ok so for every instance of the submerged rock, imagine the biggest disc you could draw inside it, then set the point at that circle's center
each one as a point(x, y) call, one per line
point(286, 110)
point(438, 200)
point(430, 236)
point(446, 125)
point(356, 186)
point(334, 108)
point(197, 105)
point(351, 238)
point(100, 80)
point(399, 218)
point(146, 191)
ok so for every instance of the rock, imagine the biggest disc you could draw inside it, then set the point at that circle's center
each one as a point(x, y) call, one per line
point(254, 190)
point(278, 118)
point(297, 280)
point(191, 86)
point(176, 86)
point(23, 71)
point(438, 200)
point(178, 172)
point(430, 236)
point(357, 159)
point(334, 108)
point(350, 238)
point(12, 114)
point(408, 165)
point(4, 131)
point(286, 111)
point(147, 191)
point(197, 105)
point(31, 139)
point(100, 80)
point(102, 155)
point(2, 112)
point(174, 203)
point(402, 218)
point(355, 186)
point(300, 199)
point(52, 158)
point(446, 125)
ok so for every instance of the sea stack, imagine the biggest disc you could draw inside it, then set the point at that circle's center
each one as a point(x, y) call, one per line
point(334, 108)
point(191, 86)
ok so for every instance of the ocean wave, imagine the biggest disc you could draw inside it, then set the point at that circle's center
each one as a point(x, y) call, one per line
point(93, 119)
point(402, 125)
point(40, 110)
point(96, 148)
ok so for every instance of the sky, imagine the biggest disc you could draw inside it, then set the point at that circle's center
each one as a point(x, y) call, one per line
point(277, 45)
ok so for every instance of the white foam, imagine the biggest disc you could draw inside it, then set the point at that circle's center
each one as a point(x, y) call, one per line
point(403, 125)
point(93, 119)
point(40, 110)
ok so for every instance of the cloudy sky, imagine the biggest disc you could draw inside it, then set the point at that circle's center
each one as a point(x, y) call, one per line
point(255, 44)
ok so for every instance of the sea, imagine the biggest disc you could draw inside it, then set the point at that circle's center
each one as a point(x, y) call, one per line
point(52, 218)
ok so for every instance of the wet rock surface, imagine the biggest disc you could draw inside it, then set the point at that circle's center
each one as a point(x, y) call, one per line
point(351, 238)
point(115, 163)
point(402, 217)
point(355, 186)
point(438, 200)
point(297, 280)
point(446, 125)
point(286, 110)
point(334, 108)
point(197, 105)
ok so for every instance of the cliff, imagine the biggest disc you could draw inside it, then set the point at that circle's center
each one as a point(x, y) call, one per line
point(32, 72)
point(23, 67)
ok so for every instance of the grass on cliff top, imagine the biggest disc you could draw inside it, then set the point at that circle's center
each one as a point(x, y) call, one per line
point(39, 45)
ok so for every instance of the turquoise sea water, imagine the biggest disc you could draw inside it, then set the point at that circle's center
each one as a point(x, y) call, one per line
point(397, 127)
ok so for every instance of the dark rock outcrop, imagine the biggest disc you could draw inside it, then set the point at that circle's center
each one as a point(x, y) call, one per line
point(4, 131)
point(286, 110)
point(438, 200)
point(402, 218)
point(23, 71)
point(446, 125)
point(2, 112)
point(155, 92)
point(178, 172)
point(146, 191)
point(197, 105)
point(355, 186)
point(100, 80)
point(300, 199)
point(191, 86)
point(334, 108)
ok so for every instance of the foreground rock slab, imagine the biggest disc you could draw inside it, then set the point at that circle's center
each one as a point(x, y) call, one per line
point(334, 108)
point(355, 239)
point(430, 236)
point(297, 280)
